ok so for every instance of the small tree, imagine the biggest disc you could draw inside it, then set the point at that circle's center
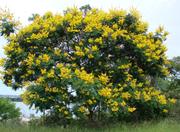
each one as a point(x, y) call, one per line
point(171, 84)
point(91, 64)
point(8, 110)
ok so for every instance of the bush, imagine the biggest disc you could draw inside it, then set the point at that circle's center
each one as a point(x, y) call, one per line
point(8, 110)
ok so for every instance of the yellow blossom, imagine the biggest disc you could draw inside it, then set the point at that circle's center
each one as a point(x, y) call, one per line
point(126, 95)
point(45, 58)
point(123, 103)
point(162, 99)
point(50, 73)
point(115, 103)
point(115, 26)
point(2, 60)
point(66, 112)
point(94, 48)
point(82, 109)
point(165, 110)
point(30, 59)
point(65, 73)
point(90, 56)
point(90, 102)
point(43, 71)
point(86, 50)
point(88, 78)
point(131, 109)
point(30, 72)
point(57, 51)
point(114, 109)
point(173, 101)
point(104, 78)
point(38, 62)
point(133, 83)
point(40, 80)
point(146, 96)
point(66, 54)
point(59, 65)
point(98, 40)
point(137, 95)
point(79, 53)
point(90, 40)
point(106, 92)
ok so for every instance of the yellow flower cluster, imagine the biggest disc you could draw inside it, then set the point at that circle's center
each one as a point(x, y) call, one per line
point(43, 71)
point(106, 92)
point(28, 96)
point(123, 103)
point(93, 19)
point(40, 80)
point(82, 74)
point(65, 73)
point(126, 95)
point(57, 52)
point(50, 74)
point(118, 33)
point(104, 78)
point(137, 95)
point(114, 106)
point(45, 58)
point(125, 66)
point(90, 56)
point(114, 109)
point(63, 110)
point(30, 59)
point(51, 90)
point(2, 61)
point(38, 36)
point(162, 99)
point(82, 109)
point(94, 48)
point(98, 40)
point(146, 96)
point(173, 101)
point(165, 110)
point(91, 101)
point(10, 47)
point(79, 52)
point(107, 31)
point(131, 109)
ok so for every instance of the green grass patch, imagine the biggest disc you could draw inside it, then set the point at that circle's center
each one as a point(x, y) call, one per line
point(167, 125)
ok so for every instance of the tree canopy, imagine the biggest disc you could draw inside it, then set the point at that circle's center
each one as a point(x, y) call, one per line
point(88, 63)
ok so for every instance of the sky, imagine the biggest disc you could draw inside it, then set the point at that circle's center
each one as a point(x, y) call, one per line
point(155, 12)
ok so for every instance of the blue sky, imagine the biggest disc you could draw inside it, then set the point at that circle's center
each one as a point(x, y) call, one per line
point(155, 12)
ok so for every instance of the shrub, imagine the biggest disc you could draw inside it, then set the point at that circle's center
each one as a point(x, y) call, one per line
point(8, 110)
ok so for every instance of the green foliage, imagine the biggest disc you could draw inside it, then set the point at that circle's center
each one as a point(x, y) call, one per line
point(171, 84)
point(8, 24)
point(89, 64)
point(176, 63)
point(8, 110)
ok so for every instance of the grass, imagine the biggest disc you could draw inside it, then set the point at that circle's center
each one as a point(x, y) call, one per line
point(170, 124)
point(167, 125)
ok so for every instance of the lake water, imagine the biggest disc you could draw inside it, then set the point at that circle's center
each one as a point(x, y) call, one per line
point(26, 111)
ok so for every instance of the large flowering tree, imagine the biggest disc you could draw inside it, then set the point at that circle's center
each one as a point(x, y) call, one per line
point(88, 64)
